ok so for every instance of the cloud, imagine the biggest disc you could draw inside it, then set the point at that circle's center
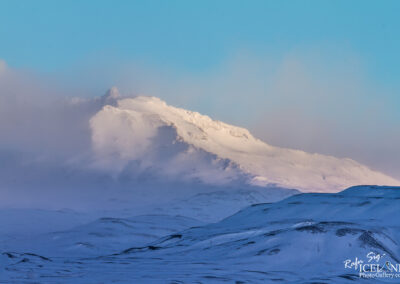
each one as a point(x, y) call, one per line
point(312, 100)
point(35, 117)
point(303, 100)
point(45, 136)
point(332, 109)
point(49, 159)
point(3, 67)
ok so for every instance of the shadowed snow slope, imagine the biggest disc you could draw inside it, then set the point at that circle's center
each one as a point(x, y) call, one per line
point(306, 238)
point(145, 133)
point(214, 206)
point(98, 232)
point(102, 236)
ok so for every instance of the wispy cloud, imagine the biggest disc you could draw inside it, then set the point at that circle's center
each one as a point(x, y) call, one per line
point(300, 100)
point(307, 100)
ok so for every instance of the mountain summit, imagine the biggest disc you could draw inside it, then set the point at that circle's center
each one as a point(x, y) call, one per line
point(144, 134)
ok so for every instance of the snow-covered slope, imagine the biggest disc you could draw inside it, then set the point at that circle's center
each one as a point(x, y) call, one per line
point(98, 232)
point(102, 236)
point(215, 206)
point(145, 133)
point(306, 238)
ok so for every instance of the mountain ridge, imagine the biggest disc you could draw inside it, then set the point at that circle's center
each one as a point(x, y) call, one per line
point(136, 128)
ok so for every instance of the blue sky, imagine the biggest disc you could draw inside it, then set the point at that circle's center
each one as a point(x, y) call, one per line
point(321, 76)
point(194, 36)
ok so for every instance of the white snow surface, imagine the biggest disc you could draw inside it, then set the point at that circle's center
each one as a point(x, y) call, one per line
point(146, 133)
point(302, 239)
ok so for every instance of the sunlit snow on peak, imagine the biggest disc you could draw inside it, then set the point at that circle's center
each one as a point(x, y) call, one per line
point(188, 145)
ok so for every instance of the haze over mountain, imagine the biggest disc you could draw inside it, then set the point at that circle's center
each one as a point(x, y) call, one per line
point(158, 190)
point(144, 134)
point(119, 152)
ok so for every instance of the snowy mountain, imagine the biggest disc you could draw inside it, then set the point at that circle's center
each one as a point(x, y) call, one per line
point(99, 232)
point(166, 195)
point(104, 235)
point(217, 205)
point(143, 134)
point(306, 238)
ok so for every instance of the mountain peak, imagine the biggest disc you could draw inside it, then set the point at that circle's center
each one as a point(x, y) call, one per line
point(186, 144)
point(111, 95)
